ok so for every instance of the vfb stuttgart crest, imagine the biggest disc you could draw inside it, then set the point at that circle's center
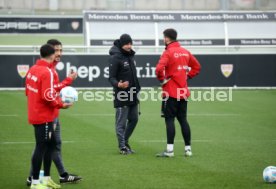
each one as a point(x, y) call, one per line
point(226, 69)
point(75, 25)
point(22, 70)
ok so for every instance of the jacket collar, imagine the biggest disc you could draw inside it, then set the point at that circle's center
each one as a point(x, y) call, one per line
point(41, 62)
point(173, 44)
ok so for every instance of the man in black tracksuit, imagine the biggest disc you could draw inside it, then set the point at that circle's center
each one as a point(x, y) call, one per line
point(123, 78)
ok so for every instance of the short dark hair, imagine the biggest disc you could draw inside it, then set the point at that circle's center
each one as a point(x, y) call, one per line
point(54, 42)
point(46, 50)
point(170, 33)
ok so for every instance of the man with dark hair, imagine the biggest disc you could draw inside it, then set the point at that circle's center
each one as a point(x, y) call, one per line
point(175, 66)
point(123, 78)
point(42, 102)
point(65, 177)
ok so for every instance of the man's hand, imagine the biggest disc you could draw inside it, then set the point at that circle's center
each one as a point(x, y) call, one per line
point(73, 75)
point(66, 105)
point(123, 85)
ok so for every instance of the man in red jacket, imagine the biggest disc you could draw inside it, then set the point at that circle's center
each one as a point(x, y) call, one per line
point(65, 177)
point(42, 102)
point(174, 68)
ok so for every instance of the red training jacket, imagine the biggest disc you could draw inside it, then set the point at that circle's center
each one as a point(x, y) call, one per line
point(174, 64)
point(59, 85)
point(42, 99)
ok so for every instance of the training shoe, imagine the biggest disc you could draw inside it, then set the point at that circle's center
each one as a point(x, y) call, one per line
point(188, 153)
point(124, 151)
point(50, 183)
point(165, 154)
point(38, 186)
point(70, 178)
point(130, 151)
point(29, 181)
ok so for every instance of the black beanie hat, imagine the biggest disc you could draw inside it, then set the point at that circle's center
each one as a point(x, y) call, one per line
point(170, 33)
point(125, 39)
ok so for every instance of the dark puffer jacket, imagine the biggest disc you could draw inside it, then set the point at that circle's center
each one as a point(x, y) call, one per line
point(122, 68)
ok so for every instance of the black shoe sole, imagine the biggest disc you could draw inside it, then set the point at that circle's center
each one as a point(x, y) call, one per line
point(29, 183)
point(71, 182)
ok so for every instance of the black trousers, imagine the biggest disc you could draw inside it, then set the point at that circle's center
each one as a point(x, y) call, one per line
point(45, 144)
point(57, 158)
point(173, 108)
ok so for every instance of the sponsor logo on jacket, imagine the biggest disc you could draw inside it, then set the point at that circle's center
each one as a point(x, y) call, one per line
point(177, 55)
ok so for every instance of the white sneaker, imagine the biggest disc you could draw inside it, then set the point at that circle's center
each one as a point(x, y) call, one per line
point(165, 154)
point(188, 153)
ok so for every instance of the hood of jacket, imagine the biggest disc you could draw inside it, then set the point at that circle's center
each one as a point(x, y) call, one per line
point(116, 49)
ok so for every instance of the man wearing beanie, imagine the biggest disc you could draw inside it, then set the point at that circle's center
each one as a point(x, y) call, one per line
point(174, 68)
point(123, 78)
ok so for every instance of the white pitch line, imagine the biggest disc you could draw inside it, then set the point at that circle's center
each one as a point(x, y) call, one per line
point(17, 142)
point(214, 114)
point(6, 143)
point(161, 141)
point(144, 114)
point(107, 115)
point(8, 115)
point(141, 141)
point(198, 141)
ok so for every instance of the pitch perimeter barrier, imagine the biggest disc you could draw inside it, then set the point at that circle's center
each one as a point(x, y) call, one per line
point(218, 70)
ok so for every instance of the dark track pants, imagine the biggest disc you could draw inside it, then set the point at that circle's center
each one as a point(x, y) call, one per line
point(45, 144)
point(126, 121)
point(56, 154)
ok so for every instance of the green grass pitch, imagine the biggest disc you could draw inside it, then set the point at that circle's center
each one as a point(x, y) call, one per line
point(232, 143)
point(39, 39)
